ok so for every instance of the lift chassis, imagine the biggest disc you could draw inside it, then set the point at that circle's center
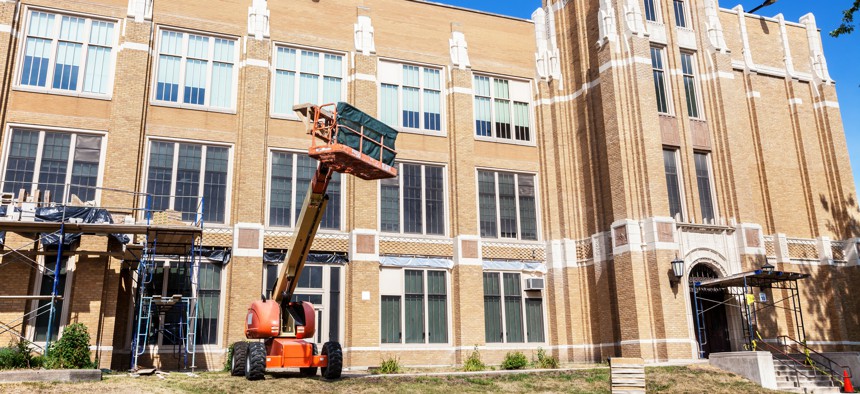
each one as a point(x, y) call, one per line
point(280, 332)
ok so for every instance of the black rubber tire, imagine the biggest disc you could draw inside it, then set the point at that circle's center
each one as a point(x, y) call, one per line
point(334, 356)
point(310, 371)
point(239, 359)
point(255, 366)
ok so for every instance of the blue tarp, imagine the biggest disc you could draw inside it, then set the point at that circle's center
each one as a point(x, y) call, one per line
point(84, 214)
point(353, 118)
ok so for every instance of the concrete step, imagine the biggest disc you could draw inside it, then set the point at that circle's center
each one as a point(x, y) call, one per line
point(817, 390)
point(804, 384)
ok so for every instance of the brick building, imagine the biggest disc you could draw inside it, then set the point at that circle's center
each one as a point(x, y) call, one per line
point(588, 147)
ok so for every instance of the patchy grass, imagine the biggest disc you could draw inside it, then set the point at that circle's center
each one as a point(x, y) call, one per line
point(693, 379)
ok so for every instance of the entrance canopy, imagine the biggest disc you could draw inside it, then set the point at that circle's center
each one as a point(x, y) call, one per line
point(748, 292)
point(757, 278)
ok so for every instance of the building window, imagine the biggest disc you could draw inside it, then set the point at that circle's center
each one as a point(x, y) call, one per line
point(64, 164)
point(659, 71)
point(175, 278)
point(509, 317)
point(507, 205)
point(673, 183)
point(502, 109)
point(414, 202)
point(45, 287)
point(680, 13)
point(182, 175)
point(688, 70)
point(703, 180)
point(410, 96)
point(68, 54)
point(195, 70)
point(305, 76)
point(318, 285)
point(650, 11)
point(290, 177)
point(419, 308)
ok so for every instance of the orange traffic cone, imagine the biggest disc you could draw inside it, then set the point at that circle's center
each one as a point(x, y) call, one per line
point(848, 387)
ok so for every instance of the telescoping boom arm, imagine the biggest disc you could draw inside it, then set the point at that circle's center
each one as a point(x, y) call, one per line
point(306, 229)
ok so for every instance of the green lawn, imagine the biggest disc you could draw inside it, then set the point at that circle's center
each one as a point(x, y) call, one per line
point(693, 379)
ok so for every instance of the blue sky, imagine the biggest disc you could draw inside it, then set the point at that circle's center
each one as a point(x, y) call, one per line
point(843, 54)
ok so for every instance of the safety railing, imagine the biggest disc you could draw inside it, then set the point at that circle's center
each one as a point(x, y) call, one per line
point(819, 362)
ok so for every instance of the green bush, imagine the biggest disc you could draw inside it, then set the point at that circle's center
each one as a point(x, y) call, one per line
point(389, 365)
point(474, 363)
point(544, 361)
point(71, 351)
point(18, 356)
point(515, 360)
point(228, 364)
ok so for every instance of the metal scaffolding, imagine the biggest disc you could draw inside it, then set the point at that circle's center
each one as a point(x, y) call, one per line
point(738, 290)
point(152, 236)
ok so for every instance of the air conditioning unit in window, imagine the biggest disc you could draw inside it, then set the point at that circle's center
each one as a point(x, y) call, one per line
point(534, 284)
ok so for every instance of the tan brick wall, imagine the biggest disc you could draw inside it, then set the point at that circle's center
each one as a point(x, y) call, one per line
point(598, 156)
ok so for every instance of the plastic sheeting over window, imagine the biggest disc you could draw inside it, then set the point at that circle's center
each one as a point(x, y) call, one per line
point(277, 257)
point(215, 255)
point(502, 265)
point(80, 214)
point(415, 262)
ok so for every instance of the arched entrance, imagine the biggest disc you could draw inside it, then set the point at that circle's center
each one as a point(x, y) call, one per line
point(712, 327)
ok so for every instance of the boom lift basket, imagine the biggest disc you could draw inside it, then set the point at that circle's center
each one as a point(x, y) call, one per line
point(352, 141)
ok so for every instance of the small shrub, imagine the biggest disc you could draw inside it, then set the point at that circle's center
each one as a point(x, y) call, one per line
point(71, 351)
point(515, 360)
point(228, 363)
point(18, 356)
point(544, 361)
point(474, 363)
point(389, 366)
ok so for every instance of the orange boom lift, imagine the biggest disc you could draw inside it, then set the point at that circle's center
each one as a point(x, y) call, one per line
point(345, 140)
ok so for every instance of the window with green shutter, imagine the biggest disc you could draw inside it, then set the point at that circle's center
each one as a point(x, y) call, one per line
point(513, 308)
point(508, 316)
point(437, 310)
point(534, 319)
point(390, 325)
point(414, 313)
point(492, 308)
point(422, 317)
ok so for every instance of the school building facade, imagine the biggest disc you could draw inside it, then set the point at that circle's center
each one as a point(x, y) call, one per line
point(550, 172)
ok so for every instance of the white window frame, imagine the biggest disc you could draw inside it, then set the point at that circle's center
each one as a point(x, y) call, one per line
point(525, 294)
point(7, 143)
point(401, 292)
point(658, 12)
point(446, 207)
point(158, 347)
point(530, 102)
point(676, 153)
point(273, 70)
point(183, 61)
point(694, 64)
point(714, 203)
point(295, 154)
point(63, 314)
point(22, 43)
point(325, 292)
point(667, 81)
point(538, 221)
point(443, 116)
point(686, 9)
point(176, 141)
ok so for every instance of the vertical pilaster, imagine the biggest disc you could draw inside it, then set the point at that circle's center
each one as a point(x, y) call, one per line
point(467, 304)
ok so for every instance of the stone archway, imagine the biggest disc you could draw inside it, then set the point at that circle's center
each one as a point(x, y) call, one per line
point(712, 327)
